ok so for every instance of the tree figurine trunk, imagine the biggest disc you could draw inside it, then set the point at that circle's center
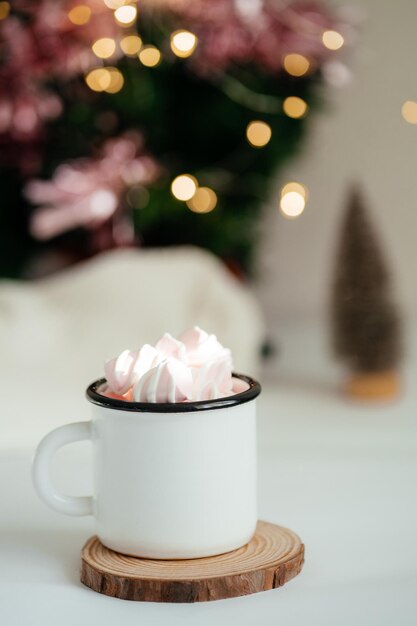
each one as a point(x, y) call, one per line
point(366, 325)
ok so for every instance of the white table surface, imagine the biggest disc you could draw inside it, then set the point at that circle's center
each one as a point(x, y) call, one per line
point(341, 475)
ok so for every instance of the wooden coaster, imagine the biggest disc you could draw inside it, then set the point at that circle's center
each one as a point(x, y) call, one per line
point(269, 560)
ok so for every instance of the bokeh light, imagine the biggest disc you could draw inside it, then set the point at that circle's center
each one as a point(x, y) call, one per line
point(183, 43)
point(332, 39)
point(108, 79)
point(296, 64)
point(150, 56)
point(183, 187)
point(292, 203)
point(126, 14)
point(294, 186)
point(409, 111)
point(114, 4)
point(295, 107)
point(258, 133)
point(4, 10)
point(116, 80)
point(104, 48)
point(203, 201)
point(98, 79)
point(131, 44)
point(80, 14)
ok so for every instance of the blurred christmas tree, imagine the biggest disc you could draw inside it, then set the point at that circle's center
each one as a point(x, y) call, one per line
point(365, 319)
point(157, 127)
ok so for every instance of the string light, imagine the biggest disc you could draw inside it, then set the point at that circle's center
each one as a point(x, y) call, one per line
point(258, 133)
point(80, 15)
point(4, 10)
point(183, 187)
point(98, 79)
point(332, 39)
point(203, 201)
point(125, 15)
point(293, 199)
point(292, 204)
point(296, 64)
point(116, 80)
point(108, 79)
point(104, 48)
point(294, 107)
point(114, 4)
point(150, 56)
point(294, 186)
point(131, 45)
point(183, 43)
point(409, 111)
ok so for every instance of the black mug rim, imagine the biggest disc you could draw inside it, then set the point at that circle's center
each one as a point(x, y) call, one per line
point(251, 393)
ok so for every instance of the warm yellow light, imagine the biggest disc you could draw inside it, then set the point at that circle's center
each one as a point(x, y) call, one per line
point(114, 4)
point(332, 39)
point(126, 14)
point(108, 79)
point(98, 79)
point(104, 48)
point(292, 204)
point(116, 80)
point(409, 111)
point(131, 45)
point(203, 201)
point(258, 133)
point(183, 187)
point(294, 107)
point(296, 64)
point(4, 10)
point(80, 14)
point(183, 43)
point(294, 186)
point(150, 56)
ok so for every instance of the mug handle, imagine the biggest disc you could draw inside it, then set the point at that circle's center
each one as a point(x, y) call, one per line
point(70, 505)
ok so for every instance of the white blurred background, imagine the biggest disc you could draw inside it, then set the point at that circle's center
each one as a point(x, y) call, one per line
point(360, 136)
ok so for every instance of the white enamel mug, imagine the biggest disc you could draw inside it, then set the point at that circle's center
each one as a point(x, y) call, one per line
point(171, 481)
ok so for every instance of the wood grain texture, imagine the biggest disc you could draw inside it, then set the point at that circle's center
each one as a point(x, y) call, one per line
point(273, 556)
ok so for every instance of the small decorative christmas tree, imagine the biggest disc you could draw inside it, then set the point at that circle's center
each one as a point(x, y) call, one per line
point(366, 324)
